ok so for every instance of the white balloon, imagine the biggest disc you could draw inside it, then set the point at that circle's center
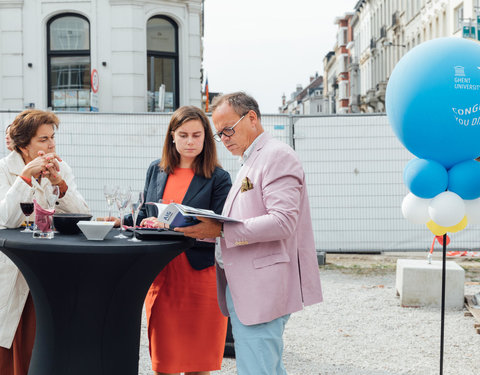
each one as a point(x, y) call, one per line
point(415, 209)
point(472, 209)
point(447, 209)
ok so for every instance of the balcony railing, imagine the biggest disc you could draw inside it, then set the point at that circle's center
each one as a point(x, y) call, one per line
point(383, 32)
point(395, 19)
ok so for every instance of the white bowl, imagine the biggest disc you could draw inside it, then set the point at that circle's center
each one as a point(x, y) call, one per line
point(95, 230)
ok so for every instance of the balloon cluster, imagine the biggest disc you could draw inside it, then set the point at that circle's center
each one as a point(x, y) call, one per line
point(433, 106)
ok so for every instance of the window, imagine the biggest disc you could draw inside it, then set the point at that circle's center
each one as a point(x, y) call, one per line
point(343, 63)
point(68, 62)
point(343, 90)
point(458, 17)
point(162, 64)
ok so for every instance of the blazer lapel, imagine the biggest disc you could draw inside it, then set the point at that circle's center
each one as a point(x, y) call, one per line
point(195, 186)
point(243, 173)
point(161, 182)
point(234, 190)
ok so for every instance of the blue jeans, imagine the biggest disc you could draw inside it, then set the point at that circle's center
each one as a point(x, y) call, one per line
point(258, 347)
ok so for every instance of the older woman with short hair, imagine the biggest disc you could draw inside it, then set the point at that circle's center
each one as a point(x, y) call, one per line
point(33, 163)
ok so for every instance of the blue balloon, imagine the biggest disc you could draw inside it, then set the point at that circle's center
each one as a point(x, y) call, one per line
point(464, 179)
point(433, 100)
point(425, 178)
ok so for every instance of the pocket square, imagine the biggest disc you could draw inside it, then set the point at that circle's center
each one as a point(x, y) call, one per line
point(246, 185)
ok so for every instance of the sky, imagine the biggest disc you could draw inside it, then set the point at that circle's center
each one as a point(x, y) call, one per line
point(267, 47)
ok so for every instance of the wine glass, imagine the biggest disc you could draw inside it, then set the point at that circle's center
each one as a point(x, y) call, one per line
point(27, 209)
point(122, 198)
point(52, 194)
point(109, 192)
point(136, 204)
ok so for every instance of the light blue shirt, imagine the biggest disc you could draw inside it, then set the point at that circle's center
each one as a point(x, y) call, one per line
point(249, 150)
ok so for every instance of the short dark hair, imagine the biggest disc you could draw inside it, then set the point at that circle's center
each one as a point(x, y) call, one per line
point(239, 101)
point(26, 124)
point(205, 163)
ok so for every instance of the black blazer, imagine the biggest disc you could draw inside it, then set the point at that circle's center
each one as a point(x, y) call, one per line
point(208, 193)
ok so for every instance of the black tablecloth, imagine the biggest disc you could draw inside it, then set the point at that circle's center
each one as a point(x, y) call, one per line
point(88, 298)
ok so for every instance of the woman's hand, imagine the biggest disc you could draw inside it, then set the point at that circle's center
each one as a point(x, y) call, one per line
point(52, 168)
point(152, 222)
point(45, 165)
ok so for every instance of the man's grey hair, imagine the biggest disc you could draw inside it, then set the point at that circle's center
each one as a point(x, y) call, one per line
point(239, 101)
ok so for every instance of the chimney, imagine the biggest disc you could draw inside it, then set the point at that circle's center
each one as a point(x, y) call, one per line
point(284, 99)
point(311, 79)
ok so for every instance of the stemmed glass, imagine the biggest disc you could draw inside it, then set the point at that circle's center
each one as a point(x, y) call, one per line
point(27, 209)
point(122, 198)
point(136, 204)
point(52, 196)
point(109, 192)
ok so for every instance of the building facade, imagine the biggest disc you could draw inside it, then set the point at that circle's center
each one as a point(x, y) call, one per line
point(306, 101)
point(101, 55)
point(343, 60)
point(383, 31)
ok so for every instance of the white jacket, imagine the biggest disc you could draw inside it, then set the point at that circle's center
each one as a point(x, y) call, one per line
point(13, 190)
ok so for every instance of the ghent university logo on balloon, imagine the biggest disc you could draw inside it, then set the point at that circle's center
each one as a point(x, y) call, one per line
point(433, 105)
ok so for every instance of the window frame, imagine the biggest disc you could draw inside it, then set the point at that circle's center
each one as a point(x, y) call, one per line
point(64, 53)
point(164, 54)
point(458, 15)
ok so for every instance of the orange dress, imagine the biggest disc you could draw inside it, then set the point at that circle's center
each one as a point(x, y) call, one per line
point(186, 329)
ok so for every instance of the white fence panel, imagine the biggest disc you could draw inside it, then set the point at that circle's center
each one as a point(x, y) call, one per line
point(354, 167)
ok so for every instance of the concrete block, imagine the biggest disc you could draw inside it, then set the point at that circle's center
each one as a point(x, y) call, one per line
point(419, 283)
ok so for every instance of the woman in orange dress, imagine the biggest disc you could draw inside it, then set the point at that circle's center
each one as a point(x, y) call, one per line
point(186, 329)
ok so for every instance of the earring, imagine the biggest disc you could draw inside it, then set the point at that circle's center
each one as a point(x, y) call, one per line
point(173, 141)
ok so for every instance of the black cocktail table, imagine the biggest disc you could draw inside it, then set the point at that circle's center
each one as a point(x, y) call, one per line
point(88, 298)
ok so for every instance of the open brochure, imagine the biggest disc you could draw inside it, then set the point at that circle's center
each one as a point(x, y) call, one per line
point(179, 215)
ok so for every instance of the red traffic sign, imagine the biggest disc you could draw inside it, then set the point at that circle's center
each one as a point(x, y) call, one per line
point(94, 79)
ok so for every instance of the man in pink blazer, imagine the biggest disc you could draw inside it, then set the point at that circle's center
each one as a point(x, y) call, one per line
point(266, 265)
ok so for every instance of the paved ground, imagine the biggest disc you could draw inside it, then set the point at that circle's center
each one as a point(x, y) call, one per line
point(361, 329)
point(388, 260)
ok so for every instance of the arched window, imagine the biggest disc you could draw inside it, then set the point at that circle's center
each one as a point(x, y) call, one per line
point(162, 64)
point(68, 62)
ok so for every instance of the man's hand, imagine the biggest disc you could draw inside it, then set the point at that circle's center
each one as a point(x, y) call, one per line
point(207, 228)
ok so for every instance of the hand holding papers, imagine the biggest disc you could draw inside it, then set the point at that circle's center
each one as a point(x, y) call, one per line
point(179, 215)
